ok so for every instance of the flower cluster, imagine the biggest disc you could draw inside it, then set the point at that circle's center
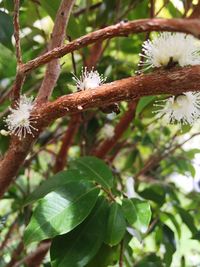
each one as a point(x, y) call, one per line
point(183, 108)
point(19, 121)
point(89, 79)
point(168, 50)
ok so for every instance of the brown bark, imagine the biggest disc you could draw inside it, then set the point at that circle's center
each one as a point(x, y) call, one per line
point(20, 77)
point(173, 81)
point(75, 121)
point(196, 11)
point(48, 84)
point(15, 254)
point(7, 237)
point(58, 37)
point(191, 26)
point(16, 88)
point(34, 259)
point(16, 31)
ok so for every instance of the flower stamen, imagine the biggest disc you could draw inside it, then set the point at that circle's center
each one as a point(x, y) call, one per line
point(170, 49)
point(89, 79)
point(20, 119)
point(182, 109)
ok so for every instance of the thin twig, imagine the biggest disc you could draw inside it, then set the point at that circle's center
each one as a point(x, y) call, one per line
point(121, 255)
point(191, 26)
point(67, 142)
point(16, 31)
point(176, 81)
point(34, 258)
point(120, 128)
point(58, 36)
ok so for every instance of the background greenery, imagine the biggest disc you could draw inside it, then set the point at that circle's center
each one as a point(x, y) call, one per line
point(85, 208)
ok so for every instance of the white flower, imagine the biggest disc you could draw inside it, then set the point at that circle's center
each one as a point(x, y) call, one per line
point(183, 109)
point(107, 131)
point(170, 48)
point(20, 119)
point(89, 79)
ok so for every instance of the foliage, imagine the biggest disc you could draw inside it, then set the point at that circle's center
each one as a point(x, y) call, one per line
point(85, 209)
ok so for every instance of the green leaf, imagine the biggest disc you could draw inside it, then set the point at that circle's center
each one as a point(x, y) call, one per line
point(170, 245)
point(78, 247)
point(76, 27)
point(50, 7)
point(61, 210)
point(173, 10)
point(151, 260)
point(6, 31)
point(9, 5)
point(137, 213)
point(110, 256)
point(129, 210)
point(192, 152)
point(196, 235)
point(165, 216)
point(184, 166)
point(143, 103)
point(95, 170)
point(155, 193)
point(187, 219)
point(116, 226)
point(61, 178)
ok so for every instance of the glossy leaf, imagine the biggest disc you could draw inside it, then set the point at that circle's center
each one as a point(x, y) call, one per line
point(170, 245)
point(165, 216)
point(62, 210)
point(6, 31)
point(137, 213)
point(143, 103)
point(187, 219)
point(155, 193)
point(78, 247)
point(151, 260)
point(50, 7)
point(95, 170)
point(61, 178)
point(116, 226)
point(110, 256)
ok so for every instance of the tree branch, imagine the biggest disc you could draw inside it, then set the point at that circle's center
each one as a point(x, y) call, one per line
point(7, 237)
point(16, 31)
point(196, 11)
point(120, 128)
point(20, 76)
point(15, 255)
point(34, 259)
point(191, 26)
point(173, 81)
point(67, 142)
point(58, 36)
